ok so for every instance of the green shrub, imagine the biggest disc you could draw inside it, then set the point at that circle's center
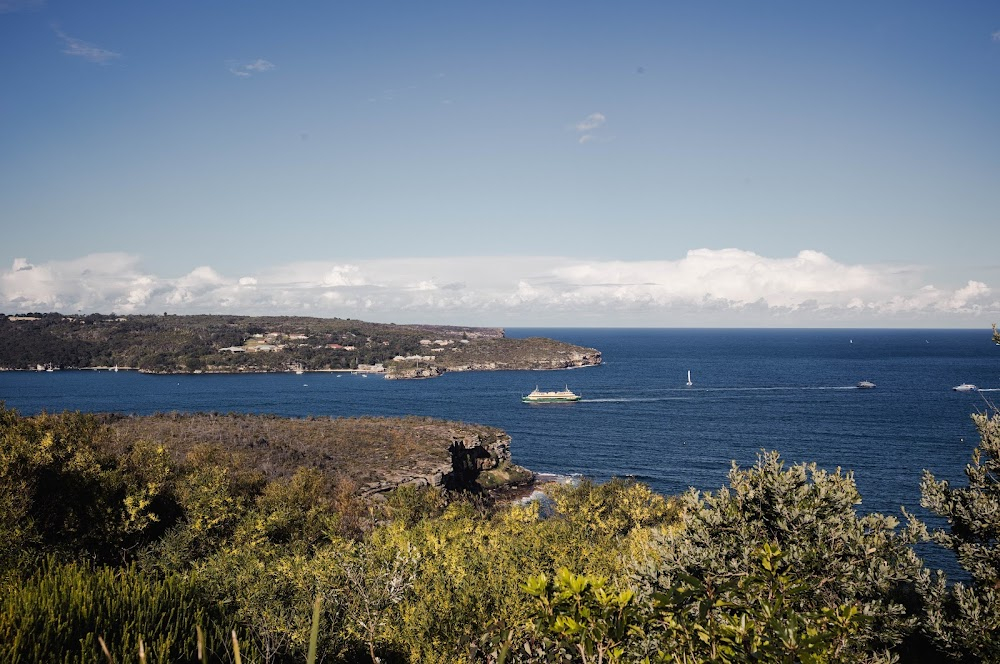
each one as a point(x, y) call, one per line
point(753, 618)
point(612, 509)
point(841, 558)
point(963, 620)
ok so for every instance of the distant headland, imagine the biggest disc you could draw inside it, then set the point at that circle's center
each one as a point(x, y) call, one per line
point(258, 344)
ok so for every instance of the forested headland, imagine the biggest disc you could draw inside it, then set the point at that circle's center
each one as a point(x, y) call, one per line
point(216, 343)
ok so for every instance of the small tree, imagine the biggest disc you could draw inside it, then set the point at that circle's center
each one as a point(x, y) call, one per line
point(377, 580)
point(835, 560)
point(964, 620)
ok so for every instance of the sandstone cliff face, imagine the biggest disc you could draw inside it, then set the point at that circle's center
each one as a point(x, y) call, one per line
point(584, 358)
point(402, 372)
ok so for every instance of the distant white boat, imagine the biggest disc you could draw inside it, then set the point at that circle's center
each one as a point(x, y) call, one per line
point(866, 385)
point(965, 387)
point(689, 383)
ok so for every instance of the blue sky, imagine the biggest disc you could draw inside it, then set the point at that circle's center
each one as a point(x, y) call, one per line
point(515, 163)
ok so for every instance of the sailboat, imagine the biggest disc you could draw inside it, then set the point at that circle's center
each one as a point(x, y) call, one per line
point(689, 383)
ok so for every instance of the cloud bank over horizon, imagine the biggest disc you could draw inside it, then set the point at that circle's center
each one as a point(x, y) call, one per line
point(708, 287)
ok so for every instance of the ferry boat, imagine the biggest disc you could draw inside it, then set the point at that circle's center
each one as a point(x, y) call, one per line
point(965, 387)
point(559, 396)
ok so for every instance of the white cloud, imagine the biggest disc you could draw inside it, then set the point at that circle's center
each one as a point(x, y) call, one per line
point(138, 295)
point(92, 283)
point(195, 285)
point(996, 36)
point(728, 287)
point(259, 65)
point(343, 275)
point(248, 69)
point(591, 122)
point(81, 49)
point(589, 127)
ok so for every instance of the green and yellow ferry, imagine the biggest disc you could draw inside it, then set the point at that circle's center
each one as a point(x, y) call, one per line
point(559, 396)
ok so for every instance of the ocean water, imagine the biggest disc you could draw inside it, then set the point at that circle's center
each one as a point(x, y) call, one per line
point(787, 390)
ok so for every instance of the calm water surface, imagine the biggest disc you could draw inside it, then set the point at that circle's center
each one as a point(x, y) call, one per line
point(788, 390)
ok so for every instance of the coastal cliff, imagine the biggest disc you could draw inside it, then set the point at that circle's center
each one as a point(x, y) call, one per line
point(374, 454)
point(498, 354)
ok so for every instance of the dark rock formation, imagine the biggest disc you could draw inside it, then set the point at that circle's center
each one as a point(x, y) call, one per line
point(478, 462)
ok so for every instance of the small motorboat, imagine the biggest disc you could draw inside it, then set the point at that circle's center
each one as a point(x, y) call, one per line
point(866, 385)
point(965, 387)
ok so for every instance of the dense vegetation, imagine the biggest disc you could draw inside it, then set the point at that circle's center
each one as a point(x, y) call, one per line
point(273, 343)
point(119, 543)
point(112, 538)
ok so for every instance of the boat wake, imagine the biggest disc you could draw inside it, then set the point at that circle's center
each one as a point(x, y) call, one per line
point(783, 388)
point(628, 399)
point(679, 392)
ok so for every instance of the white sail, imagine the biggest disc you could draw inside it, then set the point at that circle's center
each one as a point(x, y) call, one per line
point(689, 378)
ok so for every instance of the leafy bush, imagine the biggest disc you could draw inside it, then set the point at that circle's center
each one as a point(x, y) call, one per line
point(61, 492)
point(756, 617)
point(577, 619)
point(808, 514)
point(964, 620)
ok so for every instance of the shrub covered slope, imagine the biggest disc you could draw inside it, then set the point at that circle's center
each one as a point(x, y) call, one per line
point(113, 535)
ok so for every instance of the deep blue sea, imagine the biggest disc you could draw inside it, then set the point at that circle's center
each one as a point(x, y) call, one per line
point(789, 390)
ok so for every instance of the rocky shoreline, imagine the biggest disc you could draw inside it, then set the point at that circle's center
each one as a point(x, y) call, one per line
point(374, 454)
point(533, 354)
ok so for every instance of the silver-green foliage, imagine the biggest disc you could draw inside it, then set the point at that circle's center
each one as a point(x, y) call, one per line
point(834, 558)
point(964, 619)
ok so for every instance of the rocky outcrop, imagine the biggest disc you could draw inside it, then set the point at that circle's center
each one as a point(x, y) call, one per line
point(476, 462)
point(585, 358)
point(373, 454)
point(400, 371)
